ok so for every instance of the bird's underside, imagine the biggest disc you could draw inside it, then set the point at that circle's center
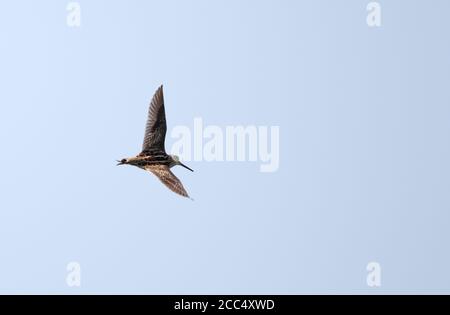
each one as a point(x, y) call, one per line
point(159, 164)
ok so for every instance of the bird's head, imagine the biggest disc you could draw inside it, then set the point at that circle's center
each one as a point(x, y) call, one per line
point(176, 160)
point(122, 162)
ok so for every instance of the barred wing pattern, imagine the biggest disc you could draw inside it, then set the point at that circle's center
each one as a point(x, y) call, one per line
point(168, 178)
point(156, 128)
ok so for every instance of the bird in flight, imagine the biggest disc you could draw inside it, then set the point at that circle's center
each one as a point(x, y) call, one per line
point(153, 157)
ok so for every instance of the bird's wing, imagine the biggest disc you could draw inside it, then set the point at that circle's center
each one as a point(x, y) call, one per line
point(164, 173)
point(156, 128)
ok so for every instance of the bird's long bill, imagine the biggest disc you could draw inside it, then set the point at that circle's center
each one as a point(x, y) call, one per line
point(119, 163)
point(186, 167)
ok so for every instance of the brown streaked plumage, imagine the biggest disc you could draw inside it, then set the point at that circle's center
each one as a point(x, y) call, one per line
point(156, 127)
point(153, 157)
point(164, 173)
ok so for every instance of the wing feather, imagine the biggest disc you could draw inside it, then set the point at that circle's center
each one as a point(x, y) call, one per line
point(166, 176)
point(156, 127)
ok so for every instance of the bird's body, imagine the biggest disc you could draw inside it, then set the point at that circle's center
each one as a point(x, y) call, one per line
point(148, 160)
point(153, 157)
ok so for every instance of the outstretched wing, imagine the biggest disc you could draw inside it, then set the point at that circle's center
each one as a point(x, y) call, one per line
point(168, 178)
point(156, 128)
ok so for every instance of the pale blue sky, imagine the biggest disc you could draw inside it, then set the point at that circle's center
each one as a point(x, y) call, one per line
point(364, 152)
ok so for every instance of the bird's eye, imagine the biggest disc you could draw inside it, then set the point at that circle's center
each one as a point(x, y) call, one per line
point(124, 161)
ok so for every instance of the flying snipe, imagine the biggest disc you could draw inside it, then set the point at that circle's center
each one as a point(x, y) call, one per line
point(153, 157)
